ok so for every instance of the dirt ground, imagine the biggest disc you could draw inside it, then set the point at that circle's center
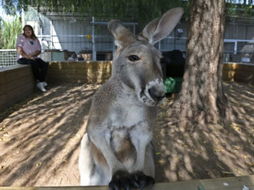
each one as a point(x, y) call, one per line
point(39, 140)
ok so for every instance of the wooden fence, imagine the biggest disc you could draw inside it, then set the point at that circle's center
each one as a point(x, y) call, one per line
point(229, 183)
point(16, 82)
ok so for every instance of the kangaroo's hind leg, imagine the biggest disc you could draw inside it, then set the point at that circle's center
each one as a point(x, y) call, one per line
point(86, 163)
point(91, 172)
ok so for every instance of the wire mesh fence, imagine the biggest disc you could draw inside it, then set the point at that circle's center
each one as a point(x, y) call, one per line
point(239, 50)
point(235, 50)
point(8, 57)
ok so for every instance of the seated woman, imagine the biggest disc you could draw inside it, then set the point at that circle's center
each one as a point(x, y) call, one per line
point(28, 49)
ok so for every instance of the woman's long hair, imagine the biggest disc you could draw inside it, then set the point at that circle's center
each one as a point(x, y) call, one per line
point(33, 36)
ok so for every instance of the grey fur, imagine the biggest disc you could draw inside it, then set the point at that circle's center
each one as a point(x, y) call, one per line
point(122, 115)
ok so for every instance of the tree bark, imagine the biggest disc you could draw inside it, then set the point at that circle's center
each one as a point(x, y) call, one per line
point(201, 99)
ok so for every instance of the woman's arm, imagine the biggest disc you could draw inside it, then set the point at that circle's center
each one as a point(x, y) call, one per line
point(23, 53)
point(19, 47)
point(37, 48)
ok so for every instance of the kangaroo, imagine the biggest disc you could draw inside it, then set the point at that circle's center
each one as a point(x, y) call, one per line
point(116, 149)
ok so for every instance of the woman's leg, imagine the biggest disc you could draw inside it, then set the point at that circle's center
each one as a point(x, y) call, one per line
point(34, 65)
point(43, 68)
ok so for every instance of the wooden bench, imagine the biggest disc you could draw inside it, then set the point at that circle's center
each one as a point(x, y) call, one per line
point(16, 84)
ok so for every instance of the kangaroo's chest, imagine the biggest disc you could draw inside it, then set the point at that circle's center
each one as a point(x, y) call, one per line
point(129, 131)
point(127, 116)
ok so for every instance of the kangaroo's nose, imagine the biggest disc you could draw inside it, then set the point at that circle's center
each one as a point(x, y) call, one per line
point(156, 94)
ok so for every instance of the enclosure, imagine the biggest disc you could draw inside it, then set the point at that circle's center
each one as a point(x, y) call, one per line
point(40, 133)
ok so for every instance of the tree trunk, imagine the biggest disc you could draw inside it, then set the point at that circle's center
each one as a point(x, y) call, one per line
point(201, 99)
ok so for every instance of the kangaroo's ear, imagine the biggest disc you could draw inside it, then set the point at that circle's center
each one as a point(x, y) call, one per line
point(160, 28)
point(122, 35)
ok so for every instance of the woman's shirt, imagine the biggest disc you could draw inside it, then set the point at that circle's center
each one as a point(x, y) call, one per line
point(28, 45)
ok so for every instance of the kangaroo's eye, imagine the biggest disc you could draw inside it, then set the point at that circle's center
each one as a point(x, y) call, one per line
point(133, 58)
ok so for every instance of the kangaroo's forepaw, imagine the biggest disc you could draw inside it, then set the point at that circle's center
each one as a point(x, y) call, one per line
point(120, 181)
point(140, 180)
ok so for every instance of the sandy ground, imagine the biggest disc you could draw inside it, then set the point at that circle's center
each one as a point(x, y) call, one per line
point(39, 140)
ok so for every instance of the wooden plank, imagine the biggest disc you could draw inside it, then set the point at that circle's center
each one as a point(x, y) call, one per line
point(229, 183)
point(18, 188)
point(86, 72)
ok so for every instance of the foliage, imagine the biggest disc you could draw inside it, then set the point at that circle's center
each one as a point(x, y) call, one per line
point(1, 43)
point(139, 10)
point(9, 32)
point(133, 10)
point(243, 10)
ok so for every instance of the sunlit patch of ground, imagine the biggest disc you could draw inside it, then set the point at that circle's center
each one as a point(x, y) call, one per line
point(39, 140)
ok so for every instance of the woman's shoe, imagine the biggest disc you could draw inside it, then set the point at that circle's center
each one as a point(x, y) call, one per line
point(45, 84)
point(41, 86)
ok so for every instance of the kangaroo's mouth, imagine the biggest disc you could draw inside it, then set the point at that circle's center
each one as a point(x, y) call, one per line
point(146, 98)
point(152, 94)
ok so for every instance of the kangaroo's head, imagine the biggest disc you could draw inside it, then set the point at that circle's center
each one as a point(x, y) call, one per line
point(137, 62)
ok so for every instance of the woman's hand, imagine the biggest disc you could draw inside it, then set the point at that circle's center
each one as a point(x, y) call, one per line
point(30, 57)
point(35, 54)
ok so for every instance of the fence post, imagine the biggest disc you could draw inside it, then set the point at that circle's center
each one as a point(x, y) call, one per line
point(93, 39)
point(235, 47)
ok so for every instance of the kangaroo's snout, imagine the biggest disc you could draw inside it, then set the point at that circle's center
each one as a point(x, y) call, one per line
point(156, 94)
point(153, 92)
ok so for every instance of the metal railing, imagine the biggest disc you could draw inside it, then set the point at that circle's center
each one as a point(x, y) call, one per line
point(237, 50)
point(237, 46)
